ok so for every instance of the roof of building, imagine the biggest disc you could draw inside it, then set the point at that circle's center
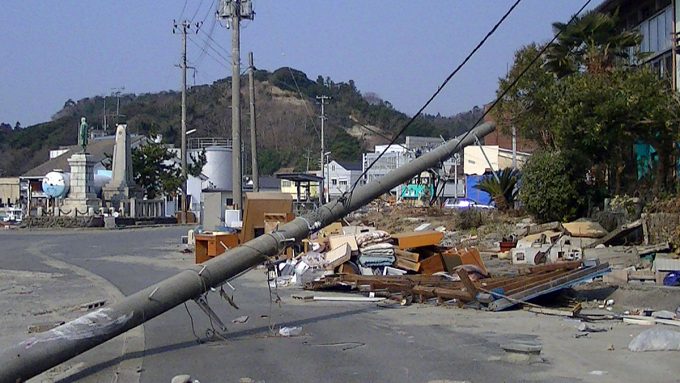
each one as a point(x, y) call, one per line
point(269, 182)
point(299, 177)
point(350, 165)
point(285, 170)
point(96, 148)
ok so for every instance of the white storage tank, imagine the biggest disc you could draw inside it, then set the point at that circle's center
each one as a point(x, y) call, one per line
point(217, 168)
point(56, 183)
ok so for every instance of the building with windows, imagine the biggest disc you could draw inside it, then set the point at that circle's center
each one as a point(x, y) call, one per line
point(400, 154)
point(657, 22)
point(341, 175)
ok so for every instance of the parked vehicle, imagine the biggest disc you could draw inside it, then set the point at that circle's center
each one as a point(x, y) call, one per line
point(464, 203)
point(11, 215)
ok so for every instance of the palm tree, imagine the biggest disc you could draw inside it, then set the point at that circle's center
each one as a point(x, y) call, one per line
point(501, 188)
point(592, 42)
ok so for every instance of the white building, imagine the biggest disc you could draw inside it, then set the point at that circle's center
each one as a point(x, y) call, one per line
point(497, 158)
point(341, 176)
point(400, 154)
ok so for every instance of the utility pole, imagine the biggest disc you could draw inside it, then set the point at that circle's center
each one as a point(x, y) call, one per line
point(323, 98)
point(183, 28)
point(253, 135)
point(117, 92)
point(514, 147)
point(234, 11)
point(106, 127)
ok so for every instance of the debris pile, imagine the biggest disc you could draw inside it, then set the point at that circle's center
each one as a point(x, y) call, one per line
point(633, 260)
point(416, 266)
point(469, 286)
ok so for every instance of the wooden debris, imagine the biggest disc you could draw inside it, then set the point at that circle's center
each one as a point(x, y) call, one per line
point(497, 293)
point(416, 239)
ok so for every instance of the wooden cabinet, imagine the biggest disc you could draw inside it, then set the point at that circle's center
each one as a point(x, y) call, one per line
point(210, 245)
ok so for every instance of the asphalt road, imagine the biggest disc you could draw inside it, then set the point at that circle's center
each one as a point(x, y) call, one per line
point(348, 342)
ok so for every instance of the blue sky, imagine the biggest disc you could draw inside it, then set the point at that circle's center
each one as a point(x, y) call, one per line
point(401, 50)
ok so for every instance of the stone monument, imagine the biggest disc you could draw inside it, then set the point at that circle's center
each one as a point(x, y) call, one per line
point(122, 186)
point(82, 198)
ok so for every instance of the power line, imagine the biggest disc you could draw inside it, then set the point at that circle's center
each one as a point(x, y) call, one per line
point(183, 9)
point(221, 62)
point(211, 30)
point(209, 36)
point(208, 12)
point(521, 74)
point(309, 113)
point(441, 87)
point(196, 12)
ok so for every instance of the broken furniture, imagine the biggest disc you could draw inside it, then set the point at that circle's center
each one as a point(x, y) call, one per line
point(210, 245)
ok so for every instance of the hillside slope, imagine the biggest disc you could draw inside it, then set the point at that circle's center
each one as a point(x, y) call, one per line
point(287, 119)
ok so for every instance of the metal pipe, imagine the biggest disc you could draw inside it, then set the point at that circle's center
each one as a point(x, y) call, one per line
point(46, 350)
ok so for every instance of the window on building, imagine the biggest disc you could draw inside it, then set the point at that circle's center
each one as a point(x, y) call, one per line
point(286, 183)
point(333, 167)
point(656, 32)
point(343, 182)
point(334, 181)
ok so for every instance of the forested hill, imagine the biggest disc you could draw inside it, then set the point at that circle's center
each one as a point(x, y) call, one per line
point(287, 118)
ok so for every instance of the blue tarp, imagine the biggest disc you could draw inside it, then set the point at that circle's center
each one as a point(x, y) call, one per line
point(482, 198)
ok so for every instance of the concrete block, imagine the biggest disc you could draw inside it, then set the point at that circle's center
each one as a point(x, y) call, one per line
point(616, 277)
point(109, 222)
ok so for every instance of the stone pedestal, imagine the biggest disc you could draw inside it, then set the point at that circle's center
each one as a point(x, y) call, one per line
point(82, 199)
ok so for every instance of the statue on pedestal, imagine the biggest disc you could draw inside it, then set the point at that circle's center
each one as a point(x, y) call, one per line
point(83, 134)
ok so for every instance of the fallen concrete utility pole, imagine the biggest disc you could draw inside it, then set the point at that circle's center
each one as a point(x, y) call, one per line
point(46, 350)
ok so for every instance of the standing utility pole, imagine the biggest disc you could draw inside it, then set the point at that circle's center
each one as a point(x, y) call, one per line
point(183, 28)
point(106, 127)
point(117, 92)
point(253, 135)
point(322, 193)
point(514, 147)
point(234, 11)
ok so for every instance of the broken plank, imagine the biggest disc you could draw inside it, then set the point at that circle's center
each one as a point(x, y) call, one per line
point(465, 279)
point(569, 279)
point(621, 231)
point(557, 312)
point(415, 239)
point(408, 265)
point(347, 299)
point(463, 296)
point(407, 255)
point(553, 266)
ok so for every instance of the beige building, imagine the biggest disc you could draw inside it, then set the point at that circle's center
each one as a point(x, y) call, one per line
point(9, 191)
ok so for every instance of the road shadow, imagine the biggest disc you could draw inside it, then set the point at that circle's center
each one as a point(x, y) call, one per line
point(183, 345)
